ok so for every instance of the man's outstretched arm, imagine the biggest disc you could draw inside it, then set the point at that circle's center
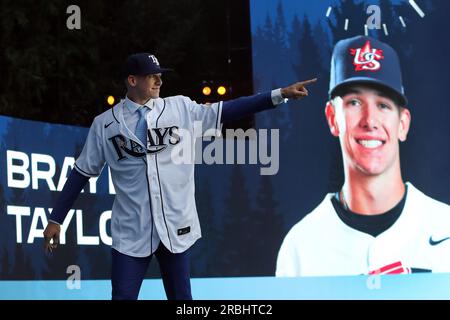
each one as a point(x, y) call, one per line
point(69, 193)
point(245, 106)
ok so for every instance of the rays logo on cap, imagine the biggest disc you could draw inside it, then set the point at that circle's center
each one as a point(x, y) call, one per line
point(366, 58)
point(154, 59)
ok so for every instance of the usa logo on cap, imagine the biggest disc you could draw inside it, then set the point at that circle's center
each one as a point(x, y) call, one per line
point(367, 58)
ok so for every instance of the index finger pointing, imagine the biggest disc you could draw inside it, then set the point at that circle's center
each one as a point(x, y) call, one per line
point(308, 81)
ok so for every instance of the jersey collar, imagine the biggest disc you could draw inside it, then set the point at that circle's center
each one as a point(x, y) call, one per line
point(133, 106)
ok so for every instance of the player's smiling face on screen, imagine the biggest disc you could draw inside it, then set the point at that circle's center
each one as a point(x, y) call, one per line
point(369, 125)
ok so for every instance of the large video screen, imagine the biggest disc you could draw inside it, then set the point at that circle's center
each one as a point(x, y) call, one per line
point(294, 41)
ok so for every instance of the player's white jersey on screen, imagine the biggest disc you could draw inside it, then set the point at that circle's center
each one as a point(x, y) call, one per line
point(321, 244)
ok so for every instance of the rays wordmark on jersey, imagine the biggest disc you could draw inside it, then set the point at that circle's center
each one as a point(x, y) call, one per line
point(158, 140)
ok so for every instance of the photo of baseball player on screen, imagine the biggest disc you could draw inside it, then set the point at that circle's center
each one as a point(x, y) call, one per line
point(377, 223)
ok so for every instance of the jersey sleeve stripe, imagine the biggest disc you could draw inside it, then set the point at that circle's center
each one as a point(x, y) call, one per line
point(84, 173)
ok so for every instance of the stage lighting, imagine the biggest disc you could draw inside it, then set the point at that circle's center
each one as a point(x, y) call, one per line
point(206, 90)
point(221, 90)
point(110, 100)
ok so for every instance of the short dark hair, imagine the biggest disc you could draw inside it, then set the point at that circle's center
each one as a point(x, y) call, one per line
point(391, 94)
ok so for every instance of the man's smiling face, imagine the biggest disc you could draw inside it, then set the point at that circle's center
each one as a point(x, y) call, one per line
point(369, 125)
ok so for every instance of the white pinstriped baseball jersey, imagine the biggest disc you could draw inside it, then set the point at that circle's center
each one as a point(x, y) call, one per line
point(154, 196)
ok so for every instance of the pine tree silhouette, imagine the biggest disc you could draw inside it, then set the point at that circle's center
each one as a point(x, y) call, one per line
point(268, 30)
point(238, 242)
point(257, 55)
point(267, 51)
point(204, 251)
point(280, 73)
point(323, 41)
point(308, 65)
point(263, 54)
point(309, 59)
point(280, 29)
point(294, 41)
point(268, 228)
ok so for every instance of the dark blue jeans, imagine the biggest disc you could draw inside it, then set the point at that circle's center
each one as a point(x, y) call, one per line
point(128, 273)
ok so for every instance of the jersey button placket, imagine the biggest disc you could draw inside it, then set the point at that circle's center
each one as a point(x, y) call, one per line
point(154, 183)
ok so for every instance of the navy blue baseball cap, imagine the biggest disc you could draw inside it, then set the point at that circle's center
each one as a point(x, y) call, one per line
point(141, 64)
point(364, 60)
